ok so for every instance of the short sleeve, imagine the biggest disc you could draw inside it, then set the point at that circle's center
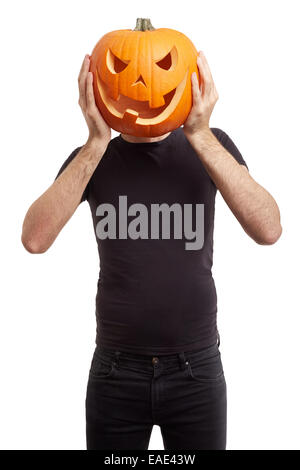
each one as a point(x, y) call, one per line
point(229, 145)
point(64, 166)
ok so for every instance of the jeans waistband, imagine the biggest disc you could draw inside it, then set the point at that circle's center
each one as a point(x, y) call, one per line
point(144, 361)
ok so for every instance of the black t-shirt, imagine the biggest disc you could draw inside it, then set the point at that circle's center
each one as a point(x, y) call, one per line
point(156, 293)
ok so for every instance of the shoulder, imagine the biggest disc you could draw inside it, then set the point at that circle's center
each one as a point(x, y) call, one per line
point(219, 134)
point(229, 145)
point(224, 139)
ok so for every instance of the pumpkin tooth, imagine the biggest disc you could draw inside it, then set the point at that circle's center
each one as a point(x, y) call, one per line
point(156, 101)
point(115, 94)
point(130, 116)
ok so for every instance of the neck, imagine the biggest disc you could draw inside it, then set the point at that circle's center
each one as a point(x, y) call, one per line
point(136, 140)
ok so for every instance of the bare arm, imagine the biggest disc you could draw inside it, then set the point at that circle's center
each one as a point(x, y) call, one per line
point(50, 212)
point(252, 205)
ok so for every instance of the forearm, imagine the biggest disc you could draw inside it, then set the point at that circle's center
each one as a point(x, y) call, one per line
point(252, 205)
point(50, 212)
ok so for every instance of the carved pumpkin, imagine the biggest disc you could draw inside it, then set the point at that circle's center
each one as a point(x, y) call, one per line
point(142, 79)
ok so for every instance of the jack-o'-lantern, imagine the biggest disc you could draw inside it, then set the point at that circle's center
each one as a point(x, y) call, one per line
point(142, 79)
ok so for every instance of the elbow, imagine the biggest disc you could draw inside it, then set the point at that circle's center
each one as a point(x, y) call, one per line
point(33, 246)
point(271, 236)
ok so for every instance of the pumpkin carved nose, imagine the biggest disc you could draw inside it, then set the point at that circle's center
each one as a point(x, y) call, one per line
point(140, 80)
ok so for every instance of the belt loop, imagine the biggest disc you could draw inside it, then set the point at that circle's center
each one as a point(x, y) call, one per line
point(182, 360)
point(218, 335)
point(116, 358)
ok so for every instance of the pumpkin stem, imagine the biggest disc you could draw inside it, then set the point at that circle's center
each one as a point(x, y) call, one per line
point(143, 24)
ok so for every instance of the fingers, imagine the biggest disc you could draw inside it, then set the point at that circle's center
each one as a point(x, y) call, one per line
point(205, 66)
point(202, 78)
point(195, 90)
point(204, 70)
point(82, 81)
point(92, 113)
point(83, 65)
point(90, 98)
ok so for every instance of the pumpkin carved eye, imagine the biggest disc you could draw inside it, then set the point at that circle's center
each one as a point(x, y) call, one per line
point(169, 61)
point(114, 64)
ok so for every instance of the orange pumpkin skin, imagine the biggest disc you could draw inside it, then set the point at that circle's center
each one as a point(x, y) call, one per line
point(142, 80)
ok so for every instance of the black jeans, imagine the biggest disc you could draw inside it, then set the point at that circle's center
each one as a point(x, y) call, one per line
point(183, 393)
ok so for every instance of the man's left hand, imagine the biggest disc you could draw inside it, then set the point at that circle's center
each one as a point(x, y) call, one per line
point(204, 99)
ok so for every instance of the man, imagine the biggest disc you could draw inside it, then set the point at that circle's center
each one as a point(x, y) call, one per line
point(157, 359)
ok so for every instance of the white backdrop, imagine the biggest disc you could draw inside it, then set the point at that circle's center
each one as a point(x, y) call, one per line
point(47, 328)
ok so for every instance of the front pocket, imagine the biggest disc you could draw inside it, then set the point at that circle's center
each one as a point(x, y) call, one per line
point(101, 369)
point(211, 371)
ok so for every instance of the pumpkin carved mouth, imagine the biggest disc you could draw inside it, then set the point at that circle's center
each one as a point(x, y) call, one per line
point(137, 111)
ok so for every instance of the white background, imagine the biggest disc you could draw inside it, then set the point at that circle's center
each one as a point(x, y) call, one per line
point(47, 329)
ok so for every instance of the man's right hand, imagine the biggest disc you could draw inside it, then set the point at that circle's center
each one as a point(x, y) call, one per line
point(50, 212)
point(99, 131)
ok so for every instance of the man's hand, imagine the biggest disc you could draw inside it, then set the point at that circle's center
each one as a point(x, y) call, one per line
point(204, 99)
point(50, 212)
point(99, 131)
point(252, 205)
